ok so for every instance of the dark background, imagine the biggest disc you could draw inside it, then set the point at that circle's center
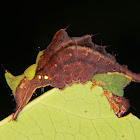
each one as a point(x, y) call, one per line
point(29, 27)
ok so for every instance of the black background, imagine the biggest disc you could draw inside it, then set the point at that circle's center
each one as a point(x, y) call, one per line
point(28, 27)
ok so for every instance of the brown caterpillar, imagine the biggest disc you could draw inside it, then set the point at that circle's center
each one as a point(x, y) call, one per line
point(65, 61)
point(120, 105)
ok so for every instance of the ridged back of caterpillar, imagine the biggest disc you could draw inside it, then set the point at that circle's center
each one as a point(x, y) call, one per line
point(76, 64)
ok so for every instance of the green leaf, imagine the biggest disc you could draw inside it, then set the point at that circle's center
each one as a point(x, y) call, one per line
point(114, 82)
point(30, 71)
point(13, 81)
point(39, 56)
point(76, 113)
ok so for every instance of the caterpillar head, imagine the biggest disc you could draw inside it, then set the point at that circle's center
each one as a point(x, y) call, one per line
point(24, 85)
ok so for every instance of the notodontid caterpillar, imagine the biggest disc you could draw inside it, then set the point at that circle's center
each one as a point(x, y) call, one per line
point(65, 61)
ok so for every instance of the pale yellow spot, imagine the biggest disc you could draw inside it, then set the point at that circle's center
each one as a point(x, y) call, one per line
point(46, 77)
point(39, 76)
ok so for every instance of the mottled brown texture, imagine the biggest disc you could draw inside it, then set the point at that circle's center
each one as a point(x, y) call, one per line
point(120, 105)
point(74, 60)
point(65, 61)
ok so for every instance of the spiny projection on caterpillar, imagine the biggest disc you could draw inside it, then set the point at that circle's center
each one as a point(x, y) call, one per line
point(65, 61)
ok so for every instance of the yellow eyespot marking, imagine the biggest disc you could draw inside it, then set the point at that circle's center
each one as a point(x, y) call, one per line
point(46, 77)
point(39, 76)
